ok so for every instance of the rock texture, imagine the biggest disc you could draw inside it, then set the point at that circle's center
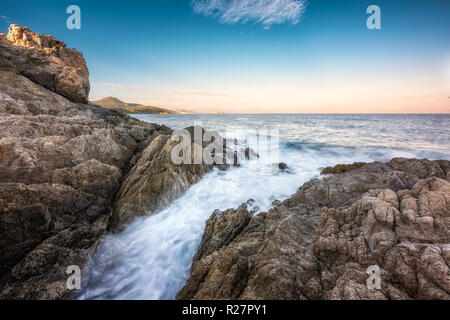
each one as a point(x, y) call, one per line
point(45, 61)
point(67, 168)
point(155, 180)
point(319, 243)
point(70, 169)
point(341, 168)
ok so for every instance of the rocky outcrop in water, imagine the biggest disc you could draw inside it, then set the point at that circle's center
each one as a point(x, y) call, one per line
point(155, 180)
point(341, 168)
point(319, 243)
point(66, 168)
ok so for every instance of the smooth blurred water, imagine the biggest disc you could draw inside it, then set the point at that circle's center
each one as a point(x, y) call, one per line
point(152, 257)
point(419, 135)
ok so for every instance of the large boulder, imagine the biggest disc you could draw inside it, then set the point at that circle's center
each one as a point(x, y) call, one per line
point(45, 61)
point(409, 243)
point(155, 180)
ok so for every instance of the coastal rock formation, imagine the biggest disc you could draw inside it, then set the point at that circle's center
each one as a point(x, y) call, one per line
point(62, 164)
point(319, 243)
point(45, 61)
point(341, 168)
point(405, 233)
point(155, 180)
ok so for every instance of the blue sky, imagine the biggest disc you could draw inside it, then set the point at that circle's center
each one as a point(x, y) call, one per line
point(316, 56)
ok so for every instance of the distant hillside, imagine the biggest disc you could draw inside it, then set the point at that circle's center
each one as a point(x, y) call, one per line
point(133, 108)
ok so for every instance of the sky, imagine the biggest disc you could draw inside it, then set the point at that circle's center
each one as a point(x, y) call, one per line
point(257, 56)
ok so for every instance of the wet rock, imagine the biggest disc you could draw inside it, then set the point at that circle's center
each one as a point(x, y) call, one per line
point(319, 243)
point(276, 202)
point(153, 182)
point(229, 267)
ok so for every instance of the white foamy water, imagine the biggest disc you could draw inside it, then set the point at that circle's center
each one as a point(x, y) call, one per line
point(152, 257)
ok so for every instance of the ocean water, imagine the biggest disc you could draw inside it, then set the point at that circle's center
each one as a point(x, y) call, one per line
point(151, 258)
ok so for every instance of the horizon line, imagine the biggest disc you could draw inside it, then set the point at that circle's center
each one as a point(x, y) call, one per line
point(336, 113)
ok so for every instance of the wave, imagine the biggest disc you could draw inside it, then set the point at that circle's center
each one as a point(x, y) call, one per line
point(151, 259)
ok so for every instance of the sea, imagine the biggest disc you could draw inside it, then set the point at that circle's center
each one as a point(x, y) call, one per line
point(151, 258)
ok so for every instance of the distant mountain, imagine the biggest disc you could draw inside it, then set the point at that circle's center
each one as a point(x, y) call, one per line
point(179, 110)
point(131, 108)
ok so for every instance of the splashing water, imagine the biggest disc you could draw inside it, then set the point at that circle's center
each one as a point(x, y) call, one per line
point(152, 257)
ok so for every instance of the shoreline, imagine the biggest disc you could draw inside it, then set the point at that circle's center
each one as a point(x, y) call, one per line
point(72, 171)
point(318, 243)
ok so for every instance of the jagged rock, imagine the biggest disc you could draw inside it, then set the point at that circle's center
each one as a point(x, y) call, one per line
point(62, 163)
point(45, 61)
point(341, 168)
point(221, 228)
point(220, 270)
point(153, 182)
point(282, 166)
point(319, 243)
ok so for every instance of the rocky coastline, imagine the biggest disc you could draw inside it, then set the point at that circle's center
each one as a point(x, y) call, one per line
point(319, 243)
point(71, 171)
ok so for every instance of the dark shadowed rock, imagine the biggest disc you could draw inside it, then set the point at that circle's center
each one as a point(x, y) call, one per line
point(154, 181)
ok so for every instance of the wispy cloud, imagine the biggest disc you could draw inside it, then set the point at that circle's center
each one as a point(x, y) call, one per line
point(169, 91)
point(266, 12)
point(5, 18)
